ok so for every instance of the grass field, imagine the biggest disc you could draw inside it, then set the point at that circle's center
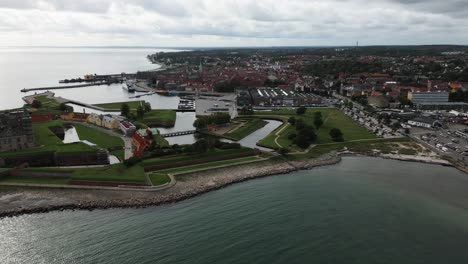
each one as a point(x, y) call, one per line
point(185, 157)
point(159, 178)
point(117, 105)
point(159, 118)
point(209, 165)
point(116, 172)
point(101, 139)
point(246, 129)
point(331, 118)
point(35, 180)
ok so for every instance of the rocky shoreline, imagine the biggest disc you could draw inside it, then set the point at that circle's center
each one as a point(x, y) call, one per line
point(21, 201)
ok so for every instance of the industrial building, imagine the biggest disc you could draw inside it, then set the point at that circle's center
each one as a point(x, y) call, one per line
point(16, 131)
point(435, 101)
point(282, 97)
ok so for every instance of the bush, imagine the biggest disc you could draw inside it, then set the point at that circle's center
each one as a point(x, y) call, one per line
point(283, 151)
point(301, 110)
point(36, 104)
point(292, 136)
point(292, 120)
point(299, 124)
point(131, 161)
point(336, 135)
point(230, 146)
point(302, 141)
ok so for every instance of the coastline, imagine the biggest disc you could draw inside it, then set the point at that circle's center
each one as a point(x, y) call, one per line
point(189, 185)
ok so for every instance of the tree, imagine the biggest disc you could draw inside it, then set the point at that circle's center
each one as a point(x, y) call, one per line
point(336, 134)
point(140, 111)
point(292, 120)
point(309, 133)
point(318, 122)
point(147, 107)
point(301, 110)
point(299, 124)
point(247, 110)
point(200, 146)
point(124, 109)
point(200, 123)
point(292, 136)
point(65, 108)
point(302, 141)
point(36, 104)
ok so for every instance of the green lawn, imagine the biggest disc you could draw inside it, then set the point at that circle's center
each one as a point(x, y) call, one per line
point(98, 137)
point(116, 106)
point(209, 165)
point(35, 180)
point(331, 117)
point(159, 179)
point(116, 172)
point(159, 118)
point(246, 129)
point(184, 157)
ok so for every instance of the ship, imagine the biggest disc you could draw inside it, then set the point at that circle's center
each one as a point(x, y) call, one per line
point(129, 86)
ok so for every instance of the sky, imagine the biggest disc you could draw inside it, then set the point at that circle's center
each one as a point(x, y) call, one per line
point(202, 23)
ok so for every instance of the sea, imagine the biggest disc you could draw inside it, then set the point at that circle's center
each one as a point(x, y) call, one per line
point(362, 210)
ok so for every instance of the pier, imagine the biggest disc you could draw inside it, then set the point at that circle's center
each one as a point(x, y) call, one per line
point(25, 90)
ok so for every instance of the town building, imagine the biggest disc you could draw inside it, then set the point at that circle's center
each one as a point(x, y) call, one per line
point(16, 131)
point(127, 128)
point(419, 98)
point(142, 139)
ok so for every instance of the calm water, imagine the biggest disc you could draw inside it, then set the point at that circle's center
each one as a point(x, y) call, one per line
point(39, 67)
point(362, 210)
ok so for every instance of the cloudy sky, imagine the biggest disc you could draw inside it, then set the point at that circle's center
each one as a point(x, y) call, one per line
point(185, 23)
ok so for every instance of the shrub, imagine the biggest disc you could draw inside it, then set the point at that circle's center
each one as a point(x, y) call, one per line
point(292, 136)
point(336, 134)
point(131, 161)
point(301, 110)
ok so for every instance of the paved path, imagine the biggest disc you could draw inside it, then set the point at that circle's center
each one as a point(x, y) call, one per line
point(278, 134)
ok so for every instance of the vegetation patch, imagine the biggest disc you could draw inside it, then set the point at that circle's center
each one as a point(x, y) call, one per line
point(159, 118)
point(114, 173)
point(330, 118)
point(159, 178)
point(246, 129)
point(100, 138)
point(133, 105)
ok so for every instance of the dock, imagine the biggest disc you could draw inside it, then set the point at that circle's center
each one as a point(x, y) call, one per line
point(25, 90)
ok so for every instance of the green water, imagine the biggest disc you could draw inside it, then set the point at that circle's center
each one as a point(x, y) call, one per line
point(362, 210)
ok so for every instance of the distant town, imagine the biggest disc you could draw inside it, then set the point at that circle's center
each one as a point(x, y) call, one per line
point(306, 106)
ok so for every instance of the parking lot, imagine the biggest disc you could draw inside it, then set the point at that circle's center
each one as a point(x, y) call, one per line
point(369, 122)
point(444, 141)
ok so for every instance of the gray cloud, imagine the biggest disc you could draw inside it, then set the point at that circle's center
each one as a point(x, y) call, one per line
point(321, 22)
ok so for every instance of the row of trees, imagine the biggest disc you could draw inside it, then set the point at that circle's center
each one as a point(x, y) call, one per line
point(215, 119)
